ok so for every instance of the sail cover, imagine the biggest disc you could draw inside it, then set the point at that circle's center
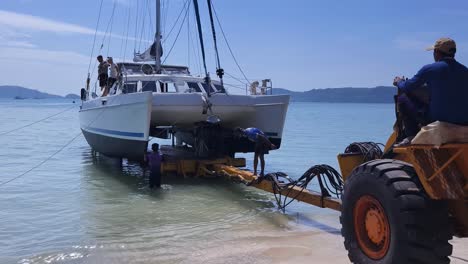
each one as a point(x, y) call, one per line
point(149, 54)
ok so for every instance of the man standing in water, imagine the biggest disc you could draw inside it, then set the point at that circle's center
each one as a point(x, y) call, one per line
point(103, 76)
point(262, 146)
point(447, 85)
point(154, 160)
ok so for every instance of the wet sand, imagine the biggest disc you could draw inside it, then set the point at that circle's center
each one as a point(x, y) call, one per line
point(314, 239)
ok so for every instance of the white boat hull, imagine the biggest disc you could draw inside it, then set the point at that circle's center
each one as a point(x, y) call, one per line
point(268, 113)
point(117, 126)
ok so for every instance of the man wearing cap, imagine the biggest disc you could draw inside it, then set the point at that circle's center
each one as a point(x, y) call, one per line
point(446, 81)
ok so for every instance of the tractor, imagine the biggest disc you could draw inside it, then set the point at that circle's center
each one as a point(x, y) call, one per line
point(405, 206)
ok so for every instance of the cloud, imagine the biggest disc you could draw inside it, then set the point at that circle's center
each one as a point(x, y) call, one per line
point(30, 23)
point(41, 55)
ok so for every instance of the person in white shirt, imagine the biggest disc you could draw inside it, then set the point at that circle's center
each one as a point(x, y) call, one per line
point(114, 72)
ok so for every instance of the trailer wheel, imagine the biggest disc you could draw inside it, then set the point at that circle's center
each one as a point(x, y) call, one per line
point(387, 218)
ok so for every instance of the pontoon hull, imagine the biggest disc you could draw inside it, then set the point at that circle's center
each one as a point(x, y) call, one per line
point(117, 126)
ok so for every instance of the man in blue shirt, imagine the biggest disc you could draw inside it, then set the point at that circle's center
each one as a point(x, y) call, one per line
point(446, 82)
point(262, 146)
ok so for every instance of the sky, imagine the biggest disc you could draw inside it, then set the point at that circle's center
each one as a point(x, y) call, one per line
point(299, 44)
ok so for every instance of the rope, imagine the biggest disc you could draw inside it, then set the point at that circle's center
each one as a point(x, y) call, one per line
point(95, 34)
point(111, 21)
point(176, 22)
point(35, 122)
point(142, 26)
point(42, 162)
point(236, 78)
point(178, 33)
point(55, 153)
point(126, 38)
point(104, 38)
point(136, 25)
point(196, 51)
point(229, 46)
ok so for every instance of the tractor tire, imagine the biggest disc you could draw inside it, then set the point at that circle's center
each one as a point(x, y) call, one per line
point(387, 218)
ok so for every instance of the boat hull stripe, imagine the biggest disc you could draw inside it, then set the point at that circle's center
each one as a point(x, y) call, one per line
point(118, 133)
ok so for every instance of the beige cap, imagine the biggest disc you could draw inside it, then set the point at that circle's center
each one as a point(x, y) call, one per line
point(446, 45)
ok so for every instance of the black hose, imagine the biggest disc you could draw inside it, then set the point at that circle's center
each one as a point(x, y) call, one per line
point(330, 182)
point(369, 150)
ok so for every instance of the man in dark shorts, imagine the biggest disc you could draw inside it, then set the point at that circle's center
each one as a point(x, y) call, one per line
point(103, 76)
point(154, 160)
point(262, 146)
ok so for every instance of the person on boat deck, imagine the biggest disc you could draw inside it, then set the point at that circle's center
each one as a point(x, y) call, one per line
point(262, 146)
point(154, 160)
point(103, 75)
point(446, 81)
point(114, 72)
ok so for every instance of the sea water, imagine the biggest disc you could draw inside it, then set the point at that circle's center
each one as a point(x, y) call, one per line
point(82, 208)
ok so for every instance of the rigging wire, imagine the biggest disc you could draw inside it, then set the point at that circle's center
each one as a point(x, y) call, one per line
point(235, 78)
point(195, 49)
point(126, 37)
point(227, 43)
point(142, 26)
point(188, 39)
point(219, 70)
point(104, 37)
point(124, 32)
point(150, 33)
point(35, 122)
point(200, 35)
point(166, 37)
point(178, 33)
point(136, 25)
point(95, 35)
point(111, 27)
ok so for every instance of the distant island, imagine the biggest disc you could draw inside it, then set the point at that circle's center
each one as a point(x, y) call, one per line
point(18, 92)
point(380, 94)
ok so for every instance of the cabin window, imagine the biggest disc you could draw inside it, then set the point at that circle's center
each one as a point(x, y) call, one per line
point(130, 87)
point(194, 86)
point(167, 87)
point(148, 86)
point(208, 88)
point(219, 88)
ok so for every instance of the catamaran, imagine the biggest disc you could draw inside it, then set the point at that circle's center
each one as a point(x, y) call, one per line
point(155, 100)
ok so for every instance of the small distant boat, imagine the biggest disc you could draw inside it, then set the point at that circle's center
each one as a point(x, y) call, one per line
point(19, 98)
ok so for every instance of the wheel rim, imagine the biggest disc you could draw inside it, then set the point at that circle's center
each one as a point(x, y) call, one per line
point(371, 227)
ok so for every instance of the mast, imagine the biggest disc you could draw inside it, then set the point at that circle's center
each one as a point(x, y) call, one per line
point(158, 36)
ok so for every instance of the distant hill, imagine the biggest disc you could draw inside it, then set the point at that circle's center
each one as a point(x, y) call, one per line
point(8, 91)
point(380, 94)
point(72, 96)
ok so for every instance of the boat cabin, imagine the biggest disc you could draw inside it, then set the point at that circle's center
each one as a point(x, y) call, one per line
point(139, 77)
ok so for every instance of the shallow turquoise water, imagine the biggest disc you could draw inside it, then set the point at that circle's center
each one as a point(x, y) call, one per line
point(79, 208)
